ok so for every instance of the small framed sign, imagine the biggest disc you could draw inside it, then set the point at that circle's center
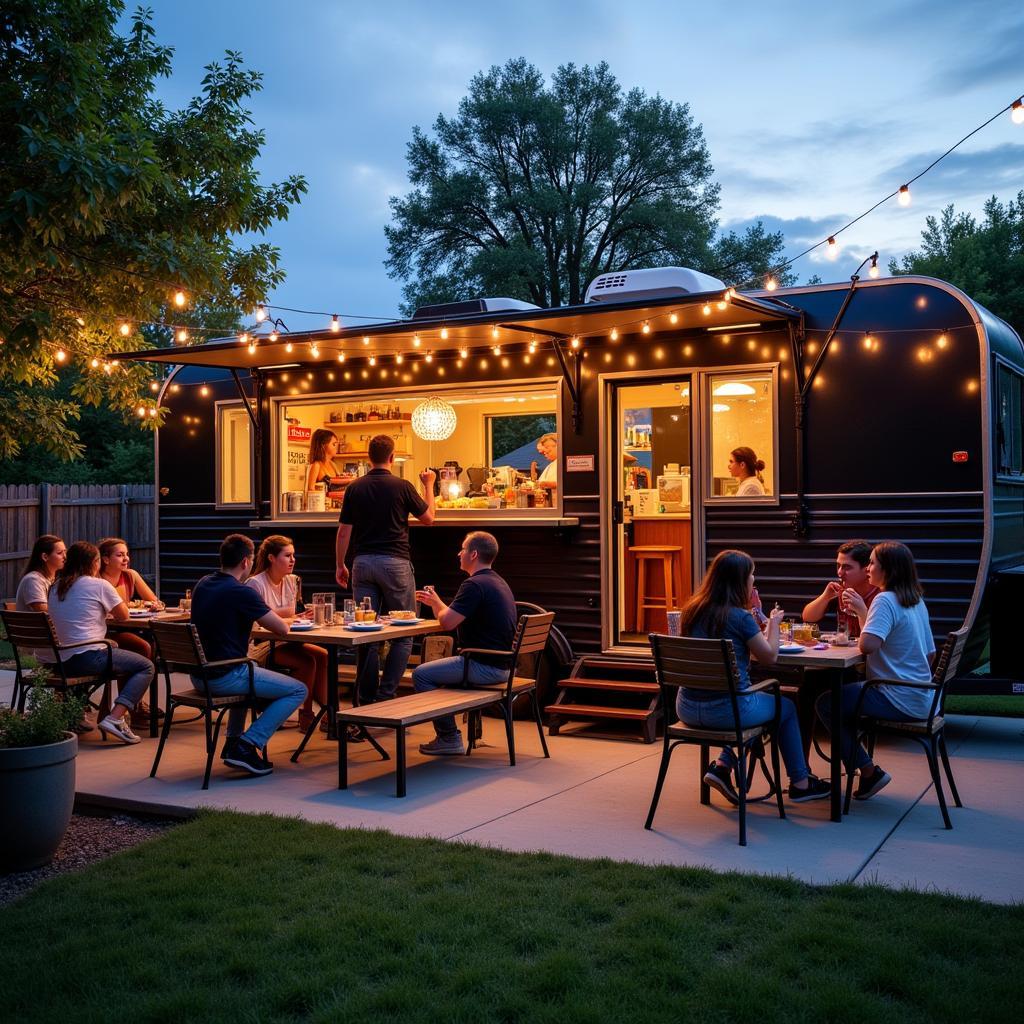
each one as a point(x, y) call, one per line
point(579, 463)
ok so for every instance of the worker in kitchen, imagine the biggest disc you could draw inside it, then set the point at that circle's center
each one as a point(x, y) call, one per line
point(547, 446)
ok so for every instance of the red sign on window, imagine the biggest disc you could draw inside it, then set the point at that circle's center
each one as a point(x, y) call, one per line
point(959, 456)
point(299, 433)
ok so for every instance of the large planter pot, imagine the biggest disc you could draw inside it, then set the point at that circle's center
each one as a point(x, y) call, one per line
point(37, 794)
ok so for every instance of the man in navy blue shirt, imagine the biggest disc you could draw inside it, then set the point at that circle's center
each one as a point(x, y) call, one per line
point(223, 611)
point(484, 613)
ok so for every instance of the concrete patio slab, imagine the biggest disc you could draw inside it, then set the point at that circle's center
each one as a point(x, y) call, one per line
point(591, 798)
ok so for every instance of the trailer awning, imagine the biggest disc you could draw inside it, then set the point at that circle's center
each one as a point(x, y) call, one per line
point(711, 312)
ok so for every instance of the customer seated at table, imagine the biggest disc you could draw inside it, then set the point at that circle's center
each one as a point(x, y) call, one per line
point(896, 640)
point(721, 608)
point(46, 560)
point(852, 570)
point(484, 613)
point(115, 568)
point(272, 578)
point(79, 605)
point(223, 612)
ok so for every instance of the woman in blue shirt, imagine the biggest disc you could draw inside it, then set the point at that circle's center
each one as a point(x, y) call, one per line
point(721, 608)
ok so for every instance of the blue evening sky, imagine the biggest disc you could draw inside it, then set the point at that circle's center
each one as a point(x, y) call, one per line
point(811, 112)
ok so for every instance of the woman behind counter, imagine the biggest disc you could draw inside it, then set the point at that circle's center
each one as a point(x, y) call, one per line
point(746, 467)
point(272, 578)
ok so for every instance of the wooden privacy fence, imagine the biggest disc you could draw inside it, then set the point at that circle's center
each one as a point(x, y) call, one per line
point(74, 512)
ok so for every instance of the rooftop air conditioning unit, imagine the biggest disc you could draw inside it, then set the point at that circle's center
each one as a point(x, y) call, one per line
point(652, 283)
point(470, 306)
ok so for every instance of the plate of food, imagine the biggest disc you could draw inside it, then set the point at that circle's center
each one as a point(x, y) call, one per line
point(365, 627)
point(301, 627)
point(140, 613)
point(791, 649)
point(404, 621)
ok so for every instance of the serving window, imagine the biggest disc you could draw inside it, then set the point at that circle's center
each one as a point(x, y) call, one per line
point(743, 437)
point(234, 455)
point(1009, 423)
point(482, 443)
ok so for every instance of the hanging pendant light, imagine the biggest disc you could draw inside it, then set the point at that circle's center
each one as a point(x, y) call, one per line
point(434, 420)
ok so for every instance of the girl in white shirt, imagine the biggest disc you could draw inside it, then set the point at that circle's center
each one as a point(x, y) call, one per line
point(47, 559)
point(896, 639)
point(79, 605)
point(273, 579)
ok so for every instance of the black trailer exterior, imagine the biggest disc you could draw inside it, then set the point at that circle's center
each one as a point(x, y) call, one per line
point(910, 429)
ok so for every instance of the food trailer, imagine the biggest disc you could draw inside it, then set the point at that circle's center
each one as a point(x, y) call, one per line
point(887, 408)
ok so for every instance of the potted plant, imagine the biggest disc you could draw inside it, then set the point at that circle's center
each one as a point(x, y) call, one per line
point(37, 776)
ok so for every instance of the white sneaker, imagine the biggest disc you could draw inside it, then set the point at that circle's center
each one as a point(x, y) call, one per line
point(119, 727)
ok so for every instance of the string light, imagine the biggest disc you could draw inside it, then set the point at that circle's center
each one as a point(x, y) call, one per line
point(125, 329)
point(181, 335)
point(243, 337)
point(366, 339)
point(272, 336)
point(399, 359)
point(94, 363)
point(314, 350)
point(575, 342)
point(463, 353)
point(533, 344)
point(252, 348)
point(154, 386)
point(942, 341)
point(614, 334)
point(429, 357)
point(494, 332)
point(904, 195)
point(288, 346)
point(496, 350)
point(341, 357)
point(1017, 111)
point(60, 355)
point(152, 412)
point(646, 328)
point(673, 317)
point(832, 251)
point(873, 270)
point(416, 341)
point(141, 411)
point(706, 309)
point(261, 313)
point(335, 323)
point(444, 333)
point(722, 304)
point(180, 298)
point(771, 283)
point(373, 360)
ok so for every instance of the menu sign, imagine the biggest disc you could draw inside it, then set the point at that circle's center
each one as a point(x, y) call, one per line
point(579, 463)
point(296, 456)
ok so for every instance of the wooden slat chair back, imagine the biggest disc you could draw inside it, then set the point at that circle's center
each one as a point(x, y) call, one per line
point(179, 649)
point(32, 632)
point(929, 732)
point(530, 639)
point(710, 664)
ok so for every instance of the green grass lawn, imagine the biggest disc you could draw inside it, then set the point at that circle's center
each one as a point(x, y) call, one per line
point(966, 704)
point(258, 919)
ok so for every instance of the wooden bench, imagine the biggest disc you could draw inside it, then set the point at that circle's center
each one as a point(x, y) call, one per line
point(402, 712)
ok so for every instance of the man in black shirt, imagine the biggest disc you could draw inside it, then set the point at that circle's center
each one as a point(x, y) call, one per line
point(223, 611)
point(484, 612)
point(374, 521)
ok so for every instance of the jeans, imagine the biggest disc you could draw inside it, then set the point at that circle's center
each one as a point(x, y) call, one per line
point(875, 703)
point(448, 672)
point(388, 583)
point(754, 709)
point(283, 692)
point(138, 670)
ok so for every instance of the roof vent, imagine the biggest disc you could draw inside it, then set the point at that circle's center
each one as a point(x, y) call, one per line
point(470, 306)
point(652, 283)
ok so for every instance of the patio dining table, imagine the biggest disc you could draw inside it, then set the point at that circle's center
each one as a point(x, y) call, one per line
point(139, 625)
point(333, 637)
point(839, 665)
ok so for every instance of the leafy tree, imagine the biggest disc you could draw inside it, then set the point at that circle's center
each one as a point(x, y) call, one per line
point(532, 191)
point(109, 202)
point(986, 260)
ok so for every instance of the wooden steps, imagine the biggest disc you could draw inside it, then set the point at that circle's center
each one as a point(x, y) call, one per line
point(605, 688)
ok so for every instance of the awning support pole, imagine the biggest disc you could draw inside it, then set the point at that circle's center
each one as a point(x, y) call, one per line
point(256, 418)
point(571, 374)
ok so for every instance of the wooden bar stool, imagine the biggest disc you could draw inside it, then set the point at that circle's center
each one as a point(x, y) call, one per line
point(667, 555)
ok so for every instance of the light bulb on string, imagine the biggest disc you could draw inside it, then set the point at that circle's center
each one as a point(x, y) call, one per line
point(373, 360)
point(314, 350)
point(463, 353)
point(429, 357)
point(399, 359)
point(574, 341)
point(261, 313)
point(416, 341)
point(533, 345)
point(94, 363)
point(180, 298)
point(341, 357)
point(272, 336)
point(494, 332)
point(673, 318)
point(646, 327)
point(60, 355)
point(366, 339)
point(125, 329)
point(152, 412)
point(832, 249)
point(614, 334)
point(252, 348)
point(243, 338)
point(706, 309)
point(903, 197)
point(154, 385)
point(444, 333)
point(942, 341)
point(770, 283)
point(181, 336)
point(288, 346)
point(141, 411)
point(335, 323)
point(1017, 111)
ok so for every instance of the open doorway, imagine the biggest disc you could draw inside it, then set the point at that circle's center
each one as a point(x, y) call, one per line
point(652, 547)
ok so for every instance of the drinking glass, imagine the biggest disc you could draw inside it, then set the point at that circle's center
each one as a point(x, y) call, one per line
point(786, 631)
point(319, 609)
point(349, 610)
